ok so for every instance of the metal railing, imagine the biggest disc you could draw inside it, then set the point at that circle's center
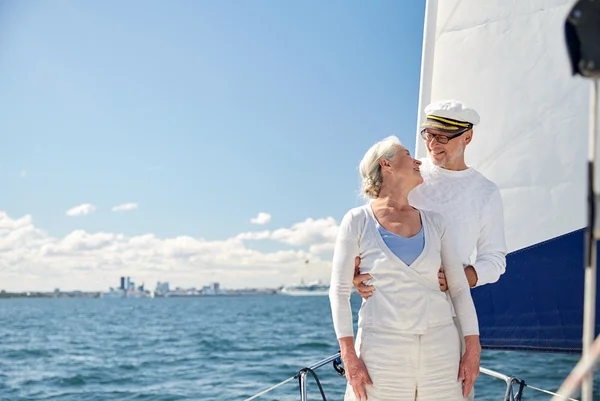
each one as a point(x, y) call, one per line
point(512, 393)
point(301, 376)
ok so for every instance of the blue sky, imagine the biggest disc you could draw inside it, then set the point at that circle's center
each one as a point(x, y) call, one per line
point(203, 114)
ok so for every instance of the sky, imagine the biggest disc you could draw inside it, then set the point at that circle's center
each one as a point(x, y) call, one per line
point(192, 142)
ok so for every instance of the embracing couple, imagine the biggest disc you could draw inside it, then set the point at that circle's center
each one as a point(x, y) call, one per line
point(408, 252)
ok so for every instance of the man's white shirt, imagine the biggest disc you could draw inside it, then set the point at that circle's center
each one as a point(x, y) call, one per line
point(472, 207)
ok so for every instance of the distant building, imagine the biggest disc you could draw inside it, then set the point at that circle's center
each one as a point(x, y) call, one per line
point(129, 285)
point(162, 288)
point(212, 289)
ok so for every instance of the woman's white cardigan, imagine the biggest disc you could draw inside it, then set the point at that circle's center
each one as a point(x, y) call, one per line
point(406, 299)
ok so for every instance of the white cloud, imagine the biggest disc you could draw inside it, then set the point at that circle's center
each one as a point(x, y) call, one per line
point(325, 247)
point(125, 207)
point(254, 235)
point(34, 260)
point(320, 234)
point(19, 234)
point(81, 210)
point(262, 218)
point(308, 232)
point(23, 174)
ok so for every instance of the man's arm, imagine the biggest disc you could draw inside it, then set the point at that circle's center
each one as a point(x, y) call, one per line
point(491, 247)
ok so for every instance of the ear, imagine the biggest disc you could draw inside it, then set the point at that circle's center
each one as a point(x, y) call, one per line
point(384, 164)
point(468, 137)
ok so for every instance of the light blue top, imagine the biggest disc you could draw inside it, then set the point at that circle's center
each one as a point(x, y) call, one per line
point(407, 249)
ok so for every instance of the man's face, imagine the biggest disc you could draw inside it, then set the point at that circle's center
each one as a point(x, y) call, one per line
point(447, 155)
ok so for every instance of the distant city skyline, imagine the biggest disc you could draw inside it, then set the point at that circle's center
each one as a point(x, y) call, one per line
point(192, 142)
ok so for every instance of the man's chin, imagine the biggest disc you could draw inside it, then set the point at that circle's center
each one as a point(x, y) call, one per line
point(437, 160)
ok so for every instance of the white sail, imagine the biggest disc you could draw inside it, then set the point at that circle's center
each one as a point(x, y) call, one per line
point(508, 60)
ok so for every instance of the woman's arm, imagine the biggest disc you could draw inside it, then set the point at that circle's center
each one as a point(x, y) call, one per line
point(458, 286)
point(345, 251)
point(342, 273)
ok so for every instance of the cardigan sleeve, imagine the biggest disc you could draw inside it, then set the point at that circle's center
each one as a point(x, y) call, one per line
point(458, 286)
point(342, 273)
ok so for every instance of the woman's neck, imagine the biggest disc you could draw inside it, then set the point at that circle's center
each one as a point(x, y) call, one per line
point(396, 198)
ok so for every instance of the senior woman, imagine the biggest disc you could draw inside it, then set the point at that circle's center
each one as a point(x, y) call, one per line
point(407, 346)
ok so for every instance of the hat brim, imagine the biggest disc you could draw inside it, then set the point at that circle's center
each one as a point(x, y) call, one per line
point(446, 125)
point(448, 129)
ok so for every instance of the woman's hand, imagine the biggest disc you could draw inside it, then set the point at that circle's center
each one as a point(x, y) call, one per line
point(357, 376)
point(468, 369)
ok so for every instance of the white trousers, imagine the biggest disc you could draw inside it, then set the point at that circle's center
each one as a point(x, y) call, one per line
point(410, 367)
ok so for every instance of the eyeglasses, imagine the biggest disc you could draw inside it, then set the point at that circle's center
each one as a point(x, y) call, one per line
point(439, 138)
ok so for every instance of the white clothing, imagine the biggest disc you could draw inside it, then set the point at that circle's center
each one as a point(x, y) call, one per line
point(472, 208)
point(408, 300)
point(400, 364)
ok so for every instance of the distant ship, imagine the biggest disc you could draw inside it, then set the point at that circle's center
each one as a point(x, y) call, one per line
point(113, 293)
point(314, 288)
point(120, 293)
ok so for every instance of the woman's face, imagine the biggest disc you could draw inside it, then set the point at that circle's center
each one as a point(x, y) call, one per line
point(403, 168)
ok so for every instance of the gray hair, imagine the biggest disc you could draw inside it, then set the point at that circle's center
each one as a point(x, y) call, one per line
point(369, 168)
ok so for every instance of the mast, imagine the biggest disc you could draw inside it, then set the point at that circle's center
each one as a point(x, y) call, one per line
point(589, 306)
point(582, 32)
point(427, 56)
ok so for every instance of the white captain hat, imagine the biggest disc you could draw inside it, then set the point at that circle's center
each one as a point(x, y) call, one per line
point(451, 116)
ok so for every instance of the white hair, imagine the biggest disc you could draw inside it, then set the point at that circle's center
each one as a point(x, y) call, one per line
point(369, 168)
